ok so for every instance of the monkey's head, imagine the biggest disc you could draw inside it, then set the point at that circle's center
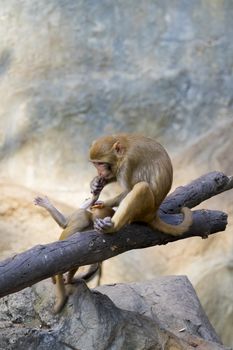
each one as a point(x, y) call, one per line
point(107, 154)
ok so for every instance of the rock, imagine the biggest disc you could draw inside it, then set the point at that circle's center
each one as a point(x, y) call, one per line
point(71, 71)
point(214, 294)
point(161, 314)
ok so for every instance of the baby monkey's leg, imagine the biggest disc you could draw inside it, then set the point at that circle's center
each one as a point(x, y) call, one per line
point(61, 295)
point(44, 202)
point(89, 274)
point(70, 275)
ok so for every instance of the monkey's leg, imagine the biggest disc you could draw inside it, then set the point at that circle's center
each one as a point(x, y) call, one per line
point(69, 281)
point(53, 279)
point(138, 205)
point(70, 275)
point(90, 273)
point(44, 202)
point(61, 296)
point(99, 274)
point(87, 276)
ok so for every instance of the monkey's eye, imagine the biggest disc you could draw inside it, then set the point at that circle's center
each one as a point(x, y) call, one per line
point(108, 166)
point(96, 164)
point(104, 165)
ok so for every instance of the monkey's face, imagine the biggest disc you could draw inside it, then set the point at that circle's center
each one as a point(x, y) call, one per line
point(104, 170)
point(106, 154)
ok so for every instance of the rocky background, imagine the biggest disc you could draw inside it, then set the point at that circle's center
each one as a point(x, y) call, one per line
point(73, 70)
point(135, 316)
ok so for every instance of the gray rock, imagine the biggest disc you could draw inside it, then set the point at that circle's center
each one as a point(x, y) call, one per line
point(161, 314)
point(171, 300)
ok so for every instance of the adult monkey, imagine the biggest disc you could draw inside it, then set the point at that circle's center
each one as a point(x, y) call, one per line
point(143, 169)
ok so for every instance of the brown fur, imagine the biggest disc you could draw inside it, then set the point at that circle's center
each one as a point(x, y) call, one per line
point(143, 168)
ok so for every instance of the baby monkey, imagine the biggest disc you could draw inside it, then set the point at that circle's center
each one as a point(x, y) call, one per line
point(80, 220)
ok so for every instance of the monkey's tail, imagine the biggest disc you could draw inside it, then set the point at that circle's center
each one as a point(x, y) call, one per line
point(174, 230)
point(92, 271)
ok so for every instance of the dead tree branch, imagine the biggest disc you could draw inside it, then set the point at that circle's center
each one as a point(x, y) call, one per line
point(86, 248)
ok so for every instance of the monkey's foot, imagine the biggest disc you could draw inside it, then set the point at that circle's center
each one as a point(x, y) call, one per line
point(103, 225)
point(42, 202)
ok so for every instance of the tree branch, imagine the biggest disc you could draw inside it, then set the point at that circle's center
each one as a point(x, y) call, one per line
point(86, 248)
point(197, 191)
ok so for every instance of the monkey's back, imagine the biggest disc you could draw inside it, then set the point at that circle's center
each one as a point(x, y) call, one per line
point(147, 160)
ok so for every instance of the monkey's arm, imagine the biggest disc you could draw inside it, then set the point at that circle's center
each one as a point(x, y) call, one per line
point(44, 202)
point(106, 224)
point(114, 202)
point(96, 186)
point(88, 202)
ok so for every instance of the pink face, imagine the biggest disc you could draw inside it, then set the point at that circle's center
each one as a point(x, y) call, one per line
point(103, 169)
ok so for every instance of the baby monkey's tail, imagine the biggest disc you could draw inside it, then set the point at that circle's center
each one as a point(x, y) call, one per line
point(174, 230)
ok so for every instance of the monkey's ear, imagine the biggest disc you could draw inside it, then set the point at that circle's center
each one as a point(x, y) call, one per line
point(118, 148)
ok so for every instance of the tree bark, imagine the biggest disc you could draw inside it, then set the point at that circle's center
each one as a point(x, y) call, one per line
point(86, 248)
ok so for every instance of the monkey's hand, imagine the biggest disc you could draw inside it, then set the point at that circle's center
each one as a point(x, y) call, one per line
point(97, 184)
point(43, 202)
point(103, 225)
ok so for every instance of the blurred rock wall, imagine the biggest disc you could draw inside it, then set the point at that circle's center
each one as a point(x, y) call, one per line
point(72, 70)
